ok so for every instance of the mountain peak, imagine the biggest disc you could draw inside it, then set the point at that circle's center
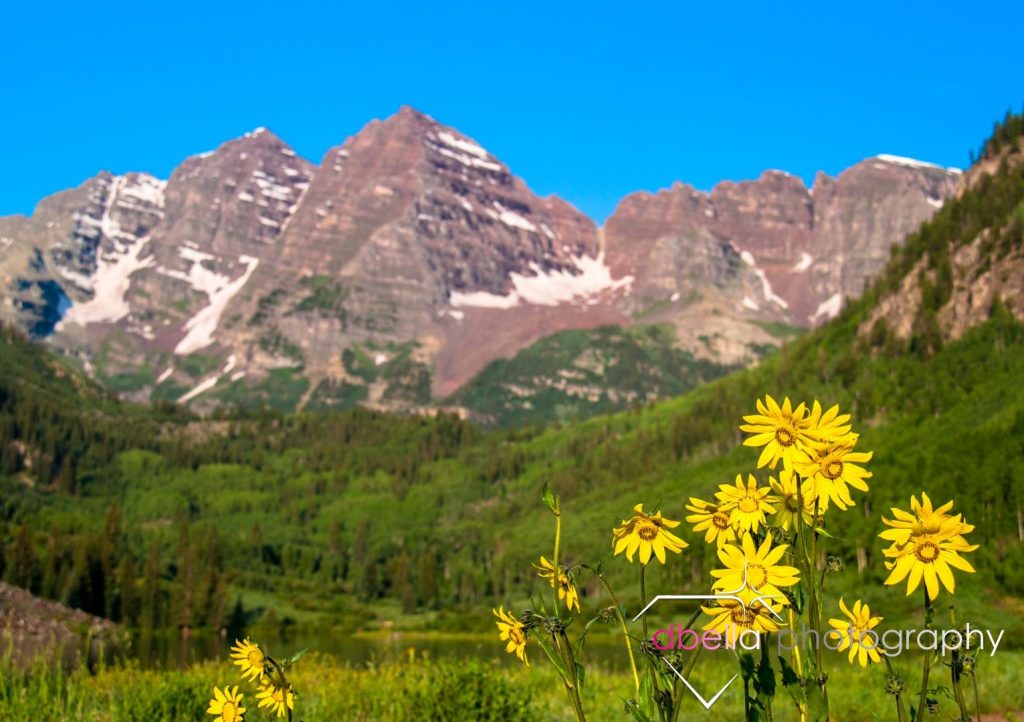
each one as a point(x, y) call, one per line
point(912, 163)
point(258, 141)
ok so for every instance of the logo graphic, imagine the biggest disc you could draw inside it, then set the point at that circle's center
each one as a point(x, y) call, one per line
point(729, 595)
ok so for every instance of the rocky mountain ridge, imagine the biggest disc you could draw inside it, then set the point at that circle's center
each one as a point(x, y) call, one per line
point(410, 258)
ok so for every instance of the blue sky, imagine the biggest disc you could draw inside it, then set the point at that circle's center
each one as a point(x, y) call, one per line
point(589, 100)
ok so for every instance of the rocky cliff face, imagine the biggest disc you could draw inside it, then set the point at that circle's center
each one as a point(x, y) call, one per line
point(769, 250)
point(411, 257)
point(969, 265)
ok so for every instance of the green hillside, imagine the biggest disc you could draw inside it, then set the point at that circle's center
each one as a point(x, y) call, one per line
point(355, 517)
point(572, 375)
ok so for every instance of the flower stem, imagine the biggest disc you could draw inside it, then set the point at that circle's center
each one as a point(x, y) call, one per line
point(923, 701)
point(686, 673)
point(554, 562)
point(625, 631)
point(283, 682)
point(801, 704)
point(808, 559)
point(767, 661)
point(643, 599)
point(676, 690)
point(955, 670)
point(816, 606)
point(571, 679)
point(653, 671)
point(901, 713)
point(977, 704)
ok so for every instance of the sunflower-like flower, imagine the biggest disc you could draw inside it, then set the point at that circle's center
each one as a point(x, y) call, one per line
point(928, 556)
point(566, 589)
point(927, 545)
point(227, 705)
point(853, 633)
point(747, 503)
point(648, 533)
point(711, 519)
point(276, 698)
point(784, 430)
point(512, 631)
point(249, 657)
point(787, 500)
point(755, 568)
point(731, 617)
point(830, 468)
point(924, 519)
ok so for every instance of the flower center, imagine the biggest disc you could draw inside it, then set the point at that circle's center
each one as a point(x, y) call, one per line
point(926, 552)
point(832, 469)
point(743, 617)
point(255, 658)
point(647, 531)
point(785, 437)
point(514, 633)
point(757, 576)
point(720, 520)
point(793, 504)
point(748, 505)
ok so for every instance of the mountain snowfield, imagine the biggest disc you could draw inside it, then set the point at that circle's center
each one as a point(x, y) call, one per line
point(411, 258)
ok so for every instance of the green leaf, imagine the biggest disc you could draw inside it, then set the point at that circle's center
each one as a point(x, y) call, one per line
point(747, 666)
point(789, 677)
point(756, 711)
point(581, 675)
point(549, 498)
point(764, 683)
point(648, 705)
point(634, 709)
point(815, 703)
point(791, 681)
point(551, 655)
point(295, 657)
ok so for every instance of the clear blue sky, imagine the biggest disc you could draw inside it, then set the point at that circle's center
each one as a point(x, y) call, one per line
point(588, 100)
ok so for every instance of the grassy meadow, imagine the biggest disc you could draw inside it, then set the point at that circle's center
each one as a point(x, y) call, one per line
point(413, 687)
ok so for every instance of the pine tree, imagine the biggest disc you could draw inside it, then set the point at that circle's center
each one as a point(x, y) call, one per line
point(21, 567)
point(427, 581)
point(183, 591)
point(150, 617)
point(402, 583)
point(127, 608)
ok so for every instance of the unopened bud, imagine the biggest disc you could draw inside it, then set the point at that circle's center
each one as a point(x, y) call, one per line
point(894, 685)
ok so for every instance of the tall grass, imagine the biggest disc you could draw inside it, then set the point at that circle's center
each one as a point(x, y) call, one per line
point(420, 689)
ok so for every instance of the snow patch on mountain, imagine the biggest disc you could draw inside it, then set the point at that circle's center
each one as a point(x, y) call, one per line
point(912, 163)
point(549, 288)
point(766, 286)
point(110, 285)
point(219, 289)
point(803, 264)
point(769, 294)
point(468, 160)
point(514, 220)
point(463, 145)
point(829, 308)
point(208, 383)
point(147, 189)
